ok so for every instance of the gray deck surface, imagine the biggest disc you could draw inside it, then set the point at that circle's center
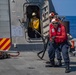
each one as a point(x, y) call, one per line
point(29, 64)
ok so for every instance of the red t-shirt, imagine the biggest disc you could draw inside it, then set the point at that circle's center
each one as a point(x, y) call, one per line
point(60, 33)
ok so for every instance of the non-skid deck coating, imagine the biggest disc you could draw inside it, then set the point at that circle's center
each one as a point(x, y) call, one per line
point(29, 64)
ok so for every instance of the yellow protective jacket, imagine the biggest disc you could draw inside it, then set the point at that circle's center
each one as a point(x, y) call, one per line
point(34, 23)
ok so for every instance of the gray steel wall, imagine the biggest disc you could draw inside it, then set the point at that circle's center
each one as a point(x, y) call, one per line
point(17, 13)
point(4, 19)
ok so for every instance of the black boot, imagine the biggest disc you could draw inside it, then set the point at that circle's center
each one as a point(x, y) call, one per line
point(67, 69)
point(59, 63)
point(52, 64)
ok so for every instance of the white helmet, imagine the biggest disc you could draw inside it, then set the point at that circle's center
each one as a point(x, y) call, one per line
point(54, 20)
point(51, 14)
point(33, 14)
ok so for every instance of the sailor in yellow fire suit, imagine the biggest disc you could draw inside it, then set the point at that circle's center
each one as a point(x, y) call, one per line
point(34, 24)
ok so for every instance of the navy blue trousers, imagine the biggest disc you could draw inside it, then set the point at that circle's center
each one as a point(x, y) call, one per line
point(63, 47)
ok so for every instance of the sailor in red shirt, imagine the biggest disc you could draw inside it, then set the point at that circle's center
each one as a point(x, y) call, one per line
point(58, 42)
point(58, 53)
point(58, 31)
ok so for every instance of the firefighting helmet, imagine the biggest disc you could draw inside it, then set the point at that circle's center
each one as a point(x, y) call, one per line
point(33, 14)
point(52, 14)
point(55, 20)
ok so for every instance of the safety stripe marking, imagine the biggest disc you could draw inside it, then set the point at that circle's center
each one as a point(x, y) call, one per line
point(2, 40)
point(5, 43)
point(7, 47)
